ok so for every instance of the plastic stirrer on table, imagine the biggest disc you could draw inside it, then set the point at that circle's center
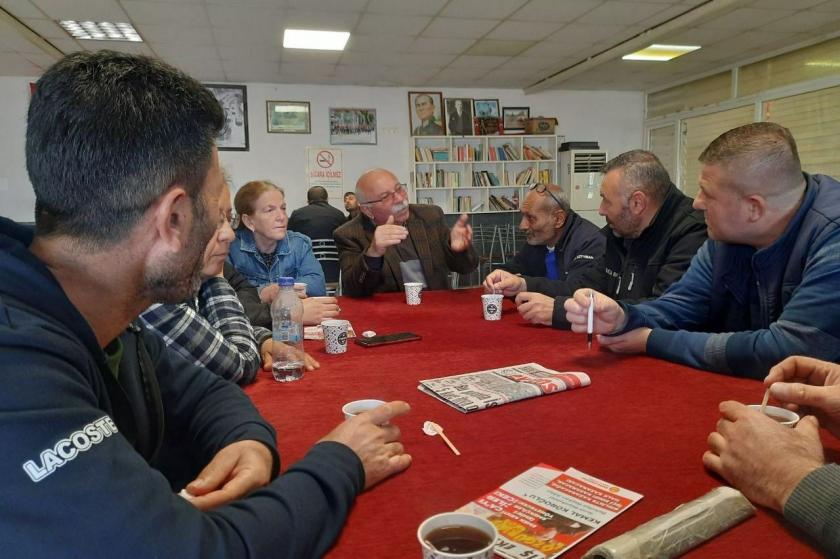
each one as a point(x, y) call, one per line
point(432, 428)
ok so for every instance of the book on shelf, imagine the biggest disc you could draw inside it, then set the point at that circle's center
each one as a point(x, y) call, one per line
point(533, 152)
point(544, 511)
point(447, 179)
point(422, 154)
point(510, 152)
point(483, 389)
point(463, 203)
point(527, 176)
point(477, 207)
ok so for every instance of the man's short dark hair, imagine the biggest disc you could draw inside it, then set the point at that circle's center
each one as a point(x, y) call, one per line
point(346, 194)
point(317, 194)
point(107, 134)
point(765, 151)
point(642, 171)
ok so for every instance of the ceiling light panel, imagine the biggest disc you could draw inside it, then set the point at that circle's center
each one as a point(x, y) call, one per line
point(101, 31)
point(660, 53)
point(314, 40)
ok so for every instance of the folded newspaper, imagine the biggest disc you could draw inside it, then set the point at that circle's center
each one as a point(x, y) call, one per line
point(544, 511)
point(483, 389)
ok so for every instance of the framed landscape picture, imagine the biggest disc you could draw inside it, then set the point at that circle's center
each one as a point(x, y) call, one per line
point(426, 114)
point(288, 117)
point(514, 119)
point(234, 102)
point(353, 126)
point(486, 107)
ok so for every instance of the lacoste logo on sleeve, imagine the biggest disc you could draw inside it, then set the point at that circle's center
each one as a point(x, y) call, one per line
point(69, 448)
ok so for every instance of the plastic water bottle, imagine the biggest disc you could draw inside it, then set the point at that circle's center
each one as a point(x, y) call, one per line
point(287, 333)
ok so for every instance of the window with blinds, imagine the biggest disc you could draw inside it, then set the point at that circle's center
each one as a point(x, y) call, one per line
point(814, 120)
point(663, 142)
point(804, 64)
point(705, 91)
point(698, 132)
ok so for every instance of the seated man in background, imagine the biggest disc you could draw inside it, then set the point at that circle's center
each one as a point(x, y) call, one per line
point(652, 233)
point(764, 286)
point(104, 423)
point(264, 250)
point(559, 244)
point(393, 242)
point(211, 329)
point(782, 468)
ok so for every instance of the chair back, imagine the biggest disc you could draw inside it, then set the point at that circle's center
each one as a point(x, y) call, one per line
point(327, 255)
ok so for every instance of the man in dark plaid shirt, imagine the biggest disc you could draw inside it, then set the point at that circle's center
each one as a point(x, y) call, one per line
point(212, 329)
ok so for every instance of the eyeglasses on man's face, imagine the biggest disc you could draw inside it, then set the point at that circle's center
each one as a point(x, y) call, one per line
point(399, 189)
point(539, 188)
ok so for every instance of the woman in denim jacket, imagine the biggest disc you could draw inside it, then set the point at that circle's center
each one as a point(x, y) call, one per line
point(264, 250)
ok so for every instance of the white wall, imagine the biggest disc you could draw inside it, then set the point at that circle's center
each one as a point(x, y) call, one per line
point(613, 118)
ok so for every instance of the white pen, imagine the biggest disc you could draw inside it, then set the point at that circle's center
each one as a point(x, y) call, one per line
point(590, 319)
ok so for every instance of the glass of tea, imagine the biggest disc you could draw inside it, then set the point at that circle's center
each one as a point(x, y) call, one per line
point(457, 535)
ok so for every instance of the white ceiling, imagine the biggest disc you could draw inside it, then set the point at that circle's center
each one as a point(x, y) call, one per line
point(425, 43)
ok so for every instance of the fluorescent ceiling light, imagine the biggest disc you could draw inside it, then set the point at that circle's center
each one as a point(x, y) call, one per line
point(660, 53)
point(316, 40)
point(823, 64)
point(101, 31)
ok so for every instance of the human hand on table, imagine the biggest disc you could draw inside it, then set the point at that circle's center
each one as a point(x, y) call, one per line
point(501, 281)
point(269, 293)
point(375, 440)
point(536, 308)
point(460, 236)
point(234, 471)
point(318, 309)
point(809, 384)
point(608, 316)
point(760, 457)
point(634, 341)
point(269, 347)
point(384, 236)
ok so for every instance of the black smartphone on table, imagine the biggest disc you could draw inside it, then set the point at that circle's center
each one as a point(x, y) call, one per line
point(385, 339)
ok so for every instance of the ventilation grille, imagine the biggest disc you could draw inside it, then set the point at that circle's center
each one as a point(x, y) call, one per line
point(589, 162)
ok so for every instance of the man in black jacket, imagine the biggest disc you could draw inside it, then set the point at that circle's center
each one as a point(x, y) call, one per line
point(652, 234)
point(317, 220)
point(559, 245)
point(103, 424)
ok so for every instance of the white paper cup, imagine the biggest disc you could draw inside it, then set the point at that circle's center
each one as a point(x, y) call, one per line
point(448, 519)
point(783, 416)
point(354, 408)
point(335, 335)
point(492, 304)
point(300, 288)
point(412, 292)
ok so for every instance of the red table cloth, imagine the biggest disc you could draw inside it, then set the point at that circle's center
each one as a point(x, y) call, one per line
point(642, 424)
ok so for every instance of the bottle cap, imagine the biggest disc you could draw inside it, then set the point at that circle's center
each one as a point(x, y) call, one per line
point(287, 282)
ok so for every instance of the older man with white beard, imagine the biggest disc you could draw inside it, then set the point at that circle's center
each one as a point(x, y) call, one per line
point(392, 242)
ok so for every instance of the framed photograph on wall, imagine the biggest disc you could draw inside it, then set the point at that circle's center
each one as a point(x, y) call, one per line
point(514, 119)
point(288, 117)
point(460, 121)
point(353, 126)
point(234, 101)
point(486, 107)
point(426, 113)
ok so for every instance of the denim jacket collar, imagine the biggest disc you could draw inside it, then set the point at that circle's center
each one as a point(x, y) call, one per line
point(248, 244)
